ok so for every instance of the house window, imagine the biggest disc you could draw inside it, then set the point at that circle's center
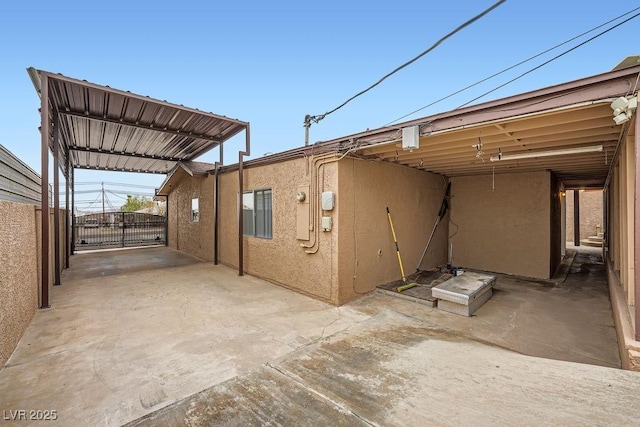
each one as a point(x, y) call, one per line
point(257, 213)
point(195, 211)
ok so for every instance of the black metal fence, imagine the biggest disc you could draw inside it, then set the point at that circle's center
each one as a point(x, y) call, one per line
point(119, 230)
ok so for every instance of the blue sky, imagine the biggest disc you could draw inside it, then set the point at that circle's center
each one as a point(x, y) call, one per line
point(270, 63)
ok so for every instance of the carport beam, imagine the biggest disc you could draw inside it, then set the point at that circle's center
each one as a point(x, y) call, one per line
point(44, 190)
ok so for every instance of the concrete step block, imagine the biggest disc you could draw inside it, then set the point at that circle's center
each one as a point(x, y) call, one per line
point(463, 309)
point(587, 242)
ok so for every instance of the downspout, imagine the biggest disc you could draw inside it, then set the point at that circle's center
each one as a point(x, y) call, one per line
point(166, 220)
point(241, 155)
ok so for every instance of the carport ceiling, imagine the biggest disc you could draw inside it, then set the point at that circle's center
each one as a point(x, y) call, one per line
point(107, 129)
point(452, 153)
point(571, 116)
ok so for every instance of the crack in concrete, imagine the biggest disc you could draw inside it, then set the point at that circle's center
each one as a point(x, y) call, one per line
point(329, 324)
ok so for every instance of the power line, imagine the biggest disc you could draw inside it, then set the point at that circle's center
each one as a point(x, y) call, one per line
point(316, 119)
point(549, 61)
point(511, 67)
point(118, 184)
point(131, 185)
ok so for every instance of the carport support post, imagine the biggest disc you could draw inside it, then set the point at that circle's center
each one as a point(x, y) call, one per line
point(576, 217)
point(636, 227)
point(44, 189)
point(73, 210)
point(215, 211)
point(56, 201)
point(67, 228)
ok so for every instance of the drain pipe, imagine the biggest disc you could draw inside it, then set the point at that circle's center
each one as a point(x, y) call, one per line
point(241, 155)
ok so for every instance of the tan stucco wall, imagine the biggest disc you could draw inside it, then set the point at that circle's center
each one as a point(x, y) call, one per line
point(506, 229)
point(621, 251)
point(590, 214)
point(366, 248)
point(194, 238)
point(281, 259)
point(18, 273)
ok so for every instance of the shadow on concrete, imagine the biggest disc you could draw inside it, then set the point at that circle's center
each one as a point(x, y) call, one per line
point(91, 264)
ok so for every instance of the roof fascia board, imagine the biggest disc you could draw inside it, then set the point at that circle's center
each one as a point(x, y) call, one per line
point(174, 177)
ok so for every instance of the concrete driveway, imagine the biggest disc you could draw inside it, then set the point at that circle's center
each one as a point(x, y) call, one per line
point(206, 347)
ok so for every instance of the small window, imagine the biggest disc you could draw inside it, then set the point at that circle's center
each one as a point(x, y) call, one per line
point(195, 211)
point(257, 213)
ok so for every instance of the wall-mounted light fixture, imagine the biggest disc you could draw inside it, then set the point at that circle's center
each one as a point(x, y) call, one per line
point(533, 154)
point(623, 109)
point(301, 196)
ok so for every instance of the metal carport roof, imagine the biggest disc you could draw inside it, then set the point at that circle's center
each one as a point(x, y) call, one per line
point(103, 128)
point(89, 126)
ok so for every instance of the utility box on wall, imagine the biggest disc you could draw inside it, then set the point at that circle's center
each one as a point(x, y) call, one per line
point(328, 200)
point(327, 223)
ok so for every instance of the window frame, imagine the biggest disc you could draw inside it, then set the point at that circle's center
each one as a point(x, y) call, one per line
point(266, 231)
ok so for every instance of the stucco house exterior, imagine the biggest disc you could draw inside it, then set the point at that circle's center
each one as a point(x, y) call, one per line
point(314, 218)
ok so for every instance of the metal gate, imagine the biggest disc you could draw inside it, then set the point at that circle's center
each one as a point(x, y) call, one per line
point(118, 230)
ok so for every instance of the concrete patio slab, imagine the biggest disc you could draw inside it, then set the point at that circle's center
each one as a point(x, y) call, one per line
point(395, 370)
point(116, 347)
point(572, 321)
point(113, 348)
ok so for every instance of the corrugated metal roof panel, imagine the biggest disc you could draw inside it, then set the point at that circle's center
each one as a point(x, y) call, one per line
point(98, 124)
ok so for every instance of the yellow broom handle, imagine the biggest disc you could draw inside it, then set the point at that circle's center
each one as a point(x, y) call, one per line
point(395, 240)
